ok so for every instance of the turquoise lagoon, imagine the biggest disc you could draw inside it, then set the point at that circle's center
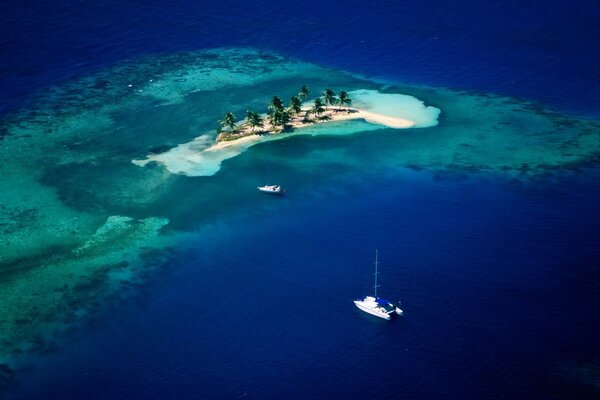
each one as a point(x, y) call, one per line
point(81, 224)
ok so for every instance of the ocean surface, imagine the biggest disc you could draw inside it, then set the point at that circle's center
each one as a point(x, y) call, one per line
point(487, 224)
point(541, 50)
point(499, 284)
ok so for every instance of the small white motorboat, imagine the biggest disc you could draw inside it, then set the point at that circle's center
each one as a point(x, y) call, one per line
point(273, 189)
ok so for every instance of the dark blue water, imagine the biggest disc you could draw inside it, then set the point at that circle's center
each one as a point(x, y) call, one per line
point(499, 281)
point(548, 51)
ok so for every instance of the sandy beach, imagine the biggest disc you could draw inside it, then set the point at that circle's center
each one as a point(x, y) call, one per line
point(369, 116)
point(203, 155)
point(332, 114)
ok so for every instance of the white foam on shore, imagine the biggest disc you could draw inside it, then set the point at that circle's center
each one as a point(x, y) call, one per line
point(203, 157)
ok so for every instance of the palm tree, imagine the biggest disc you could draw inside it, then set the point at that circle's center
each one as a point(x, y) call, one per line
point(285, 118)
point(276, 104)
point(303, 93)
point(344, 99)
point(329, 96)
point(318, 106)
point(279, 118)
point(306, 118)
point(295, 105)
point(228, 121)
point(254, 120)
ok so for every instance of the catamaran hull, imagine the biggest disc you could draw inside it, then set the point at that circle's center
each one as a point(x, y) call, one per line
point(371, 311)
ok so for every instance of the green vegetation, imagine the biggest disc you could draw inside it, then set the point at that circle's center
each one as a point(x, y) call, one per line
point(306, 118)
point(295, 105)
point(228, 121)
point(303, 93)
point(344, 99)
point(275, 105)
point(66, 197)
point(254, 120)
point(279, 117)
point(329, 97)
point(317, 108)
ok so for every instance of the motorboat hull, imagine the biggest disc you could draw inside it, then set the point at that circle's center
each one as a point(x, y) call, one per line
point(271, 189)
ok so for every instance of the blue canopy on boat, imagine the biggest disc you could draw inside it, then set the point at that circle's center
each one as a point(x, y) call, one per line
point(382, 302)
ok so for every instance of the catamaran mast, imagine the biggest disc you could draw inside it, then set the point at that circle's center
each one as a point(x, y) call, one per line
point(376, 263)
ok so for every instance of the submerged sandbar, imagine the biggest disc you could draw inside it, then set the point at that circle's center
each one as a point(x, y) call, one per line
point(77, 219)
point(203, 156)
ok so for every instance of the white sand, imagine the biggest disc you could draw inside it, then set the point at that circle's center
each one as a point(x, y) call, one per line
point(203, 157)
point(372, 117)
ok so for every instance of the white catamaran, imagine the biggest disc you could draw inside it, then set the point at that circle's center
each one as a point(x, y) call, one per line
point(377, 306)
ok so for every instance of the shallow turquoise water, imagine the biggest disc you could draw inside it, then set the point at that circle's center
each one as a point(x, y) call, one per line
point(259, 303)
point(473, 201)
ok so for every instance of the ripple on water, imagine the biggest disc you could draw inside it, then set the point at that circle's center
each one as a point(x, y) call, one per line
point(68, 181)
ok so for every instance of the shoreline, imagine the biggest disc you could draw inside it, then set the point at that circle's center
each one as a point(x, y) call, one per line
point(215, 149)
point(298, 122)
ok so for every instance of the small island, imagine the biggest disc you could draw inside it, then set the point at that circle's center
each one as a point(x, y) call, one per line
point(202, 156)
point(280, 118)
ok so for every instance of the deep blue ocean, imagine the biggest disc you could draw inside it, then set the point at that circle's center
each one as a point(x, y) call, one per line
point(499, 280)
point(542, 50)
